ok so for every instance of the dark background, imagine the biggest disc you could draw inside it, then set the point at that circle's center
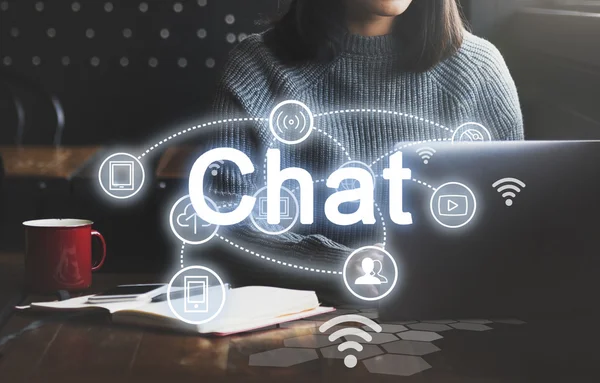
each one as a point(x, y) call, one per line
point(121, 72)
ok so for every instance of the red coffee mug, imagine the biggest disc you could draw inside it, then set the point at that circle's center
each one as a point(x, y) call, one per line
point(58, 254)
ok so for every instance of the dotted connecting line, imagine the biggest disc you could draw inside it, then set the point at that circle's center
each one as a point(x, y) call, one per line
point(182, 252)
point(318, 130)
point(395, 150)
point(336, 141)
point(291, 265)
point(271, 259)
point(314, 182)
point(384, 242)
point(416, 181)
point(424, 184)
point(382, 225)
point(432, 123)
point(265, 162)
point(195, 127)
point(233, 204)
point(246, 119)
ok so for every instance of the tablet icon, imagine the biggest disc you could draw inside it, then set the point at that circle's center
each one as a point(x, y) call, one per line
point(289, 212)
point(196, 295)
point(121, 175)
point(285, 214)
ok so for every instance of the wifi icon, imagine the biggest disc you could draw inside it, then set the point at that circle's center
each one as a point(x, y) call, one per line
point(509, 187)
point(426, 154)
point(350, 360)
point(215, 168)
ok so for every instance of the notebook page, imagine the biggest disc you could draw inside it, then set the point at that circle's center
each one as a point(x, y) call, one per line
point(250, 304)
point(80, 303)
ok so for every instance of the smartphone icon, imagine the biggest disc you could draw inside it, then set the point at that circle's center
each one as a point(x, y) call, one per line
point(196, 294)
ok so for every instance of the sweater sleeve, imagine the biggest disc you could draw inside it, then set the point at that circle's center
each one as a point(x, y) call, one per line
point(229, 186)
point(500, 92)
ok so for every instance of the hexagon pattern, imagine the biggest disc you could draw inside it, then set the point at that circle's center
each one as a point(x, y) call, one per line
point(378, 338)
point(310, 341)
point(397, 350)
point(429, 327)
point(478, 321)
point(407, 347)
point(421, 336)
point(470, 326)
point(405, 322)
point(439, 321)
point(401, 365)
point(389, 328)
point(368, 351)
point(283, 357)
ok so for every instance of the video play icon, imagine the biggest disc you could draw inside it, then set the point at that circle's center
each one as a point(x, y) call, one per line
point(453, 205)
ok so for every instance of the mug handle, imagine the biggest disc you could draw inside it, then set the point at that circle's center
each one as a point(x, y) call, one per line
point(103, 242)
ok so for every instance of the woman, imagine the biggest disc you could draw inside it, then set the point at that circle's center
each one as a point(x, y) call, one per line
point(413, 57)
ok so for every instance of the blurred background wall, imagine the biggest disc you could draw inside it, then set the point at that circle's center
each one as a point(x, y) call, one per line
point(120, 71)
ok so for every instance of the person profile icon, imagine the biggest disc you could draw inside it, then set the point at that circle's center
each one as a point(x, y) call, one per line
point(370, 278)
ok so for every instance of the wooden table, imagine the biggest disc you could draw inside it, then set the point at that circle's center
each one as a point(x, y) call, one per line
point(36, 348)
point(45, 162)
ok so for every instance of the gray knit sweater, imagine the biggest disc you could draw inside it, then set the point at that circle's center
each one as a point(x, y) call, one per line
point(472, 86)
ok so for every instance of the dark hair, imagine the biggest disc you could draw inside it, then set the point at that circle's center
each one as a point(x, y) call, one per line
point(429, 31)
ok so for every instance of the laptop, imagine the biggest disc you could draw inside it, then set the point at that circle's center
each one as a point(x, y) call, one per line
point(531, 248)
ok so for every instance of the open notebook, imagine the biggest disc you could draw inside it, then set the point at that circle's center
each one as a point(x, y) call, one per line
point(246, 309)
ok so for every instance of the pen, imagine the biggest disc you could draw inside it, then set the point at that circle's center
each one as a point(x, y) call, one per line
point(181, 293)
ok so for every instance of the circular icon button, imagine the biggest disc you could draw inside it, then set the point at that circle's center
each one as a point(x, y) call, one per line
point(289, 210)
point(187, 225)
point(471, 132)
point(367, 268)
point(121, 175)
point(453, 205)
point(196, 295)
point(291, 122)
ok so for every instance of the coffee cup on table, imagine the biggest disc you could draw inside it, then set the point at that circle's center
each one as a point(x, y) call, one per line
point(58, 254)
